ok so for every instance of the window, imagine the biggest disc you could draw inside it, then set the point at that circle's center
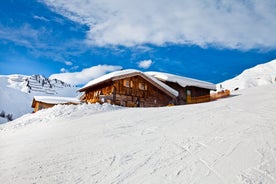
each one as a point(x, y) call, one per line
point(143, 86)
point(97, 94)
point(128, 83)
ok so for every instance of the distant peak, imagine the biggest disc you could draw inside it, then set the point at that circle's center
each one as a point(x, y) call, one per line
point(258, 75)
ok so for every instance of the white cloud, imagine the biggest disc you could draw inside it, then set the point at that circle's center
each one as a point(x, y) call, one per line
point(85, 75)
point(68, 63)
point(74, 67)
point(223, 23)
point(63, 70)
point(145, 64)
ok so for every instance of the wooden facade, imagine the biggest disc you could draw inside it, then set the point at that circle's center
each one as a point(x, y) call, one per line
point(131, 90)
point(41, 105)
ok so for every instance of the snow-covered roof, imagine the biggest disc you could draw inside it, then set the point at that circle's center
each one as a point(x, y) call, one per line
point(55, 99)
point(108, 76)
point(168, 88)
point(122, 73)
point(182, 81)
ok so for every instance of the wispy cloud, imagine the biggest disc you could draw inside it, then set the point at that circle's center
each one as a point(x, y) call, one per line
point(25, 35)
point(41, 42)
point(41, 18)
point(74, 67)
point(63, 70)
point(85, 75)
point(68, 63)
point(227, 24)
point(145, 64)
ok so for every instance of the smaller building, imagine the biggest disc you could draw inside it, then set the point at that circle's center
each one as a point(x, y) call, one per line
point(189, 90)
point(43, 102)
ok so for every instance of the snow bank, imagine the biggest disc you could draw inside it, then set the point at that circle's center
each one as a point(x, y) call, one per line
point(232, 140)
point(59, 112)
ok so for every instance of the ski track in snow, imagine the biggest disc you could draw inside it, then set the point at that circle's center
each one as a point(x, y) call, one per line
point(226, 141)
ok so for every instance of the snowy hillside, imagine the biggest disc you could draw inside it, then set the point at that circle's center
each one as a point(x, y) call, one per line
point(257, 76)
point(232, 140)
point(17, 92)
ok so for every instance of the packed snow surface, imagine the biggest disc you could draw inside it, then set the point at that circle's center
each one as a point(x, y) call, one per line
point(231, 140)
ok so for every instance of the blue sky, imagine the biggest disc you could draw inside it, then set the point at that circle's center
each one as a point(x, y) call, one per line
point(207, 40)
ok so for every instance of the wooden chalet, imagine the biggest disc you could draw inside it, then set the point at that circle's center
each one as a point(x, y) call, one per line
point(43, 102)
point(129, 88)
point(189, 90)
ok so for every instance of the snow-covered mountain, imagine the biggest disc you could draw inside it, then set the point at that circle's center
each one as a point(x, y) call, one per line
point(17, 92)
point(259, 75)
point(232, 140)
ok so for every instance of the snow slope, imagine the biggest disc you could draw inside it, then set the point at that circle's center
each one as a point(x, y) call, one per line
point(232, 140)
point(259, 75)
point(17, 91)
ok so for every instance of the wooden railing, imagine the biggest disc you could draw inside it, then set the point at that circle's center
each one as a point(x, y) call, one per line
point(220, 94)
point(207, 98)
point(199, 99)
